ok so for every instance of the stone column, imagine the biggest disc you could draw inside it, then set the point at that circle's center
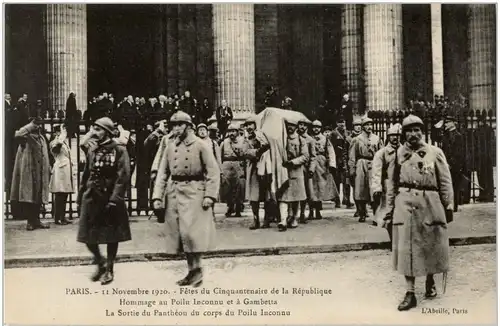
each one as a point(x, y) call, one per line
point(172, 37)
point(482, 64)
point(351, 44)
point(234, 56)
point(383, 54)
point(437, 49)
point(66, 36)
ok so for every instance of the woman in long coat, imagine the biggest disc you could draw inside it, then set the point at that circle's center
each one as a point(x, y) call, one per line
point(189, 175)
point(103, 214)
point(420, 192)
point(62, 182)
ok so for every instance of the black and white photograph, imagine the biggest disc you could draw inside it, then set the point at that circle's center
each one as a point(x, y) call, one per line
point(249, 163)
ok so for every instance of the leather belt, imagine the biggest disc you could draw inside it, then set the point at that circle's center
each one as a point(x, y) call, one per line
point(232, 159)
point(369, 158)
point(188, 178)
point(416, 187)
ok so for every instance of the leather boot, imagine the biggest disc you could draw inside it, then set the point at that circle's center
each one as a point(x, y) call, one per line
point(302, 219)
point(409, 301)
point(108, 275)
point(101, 269)
point(318, 214)
point(256, 223)
point(430, 288)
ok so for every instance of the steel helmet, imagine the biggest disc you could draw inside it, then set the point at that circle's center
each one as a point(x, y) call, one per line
point(201, 125)
point(395, 129)
point(366, 120)
point(106, 124)
point(181, 116)
point(317, 123)
point(412, 120)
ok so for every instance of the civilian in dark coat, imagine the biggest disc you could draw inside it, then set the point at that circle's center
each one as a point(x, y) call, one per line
point(345, 111)
point(24, 110)
point(72, 116)
point(188, 105)
point(224, 116)
point(12, 119)
point(103, 213)
point(206, 110)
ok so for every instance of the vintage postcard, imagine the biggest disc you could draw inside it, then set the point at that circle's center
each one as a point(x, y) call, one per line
point(250, 163)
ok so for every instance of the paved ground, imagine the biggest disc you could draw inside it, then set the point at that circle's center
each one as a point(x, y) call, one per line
point(338, 231)
point(363, 288)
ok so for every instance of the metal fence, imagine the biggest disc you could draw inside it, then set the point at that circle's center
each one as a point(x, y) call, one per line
point(478, 129)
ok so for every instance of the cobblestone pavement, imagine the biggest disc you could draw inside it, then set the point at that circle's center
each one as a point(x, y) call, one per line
point(363, 288)
point(337, 228)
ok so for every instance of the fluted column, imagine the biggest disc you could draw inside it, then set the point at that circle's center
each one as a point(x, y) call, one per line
point(482, 57)
point(234, 54)
point(351, 43)
point(437, 49)
point(383, 54)
point(66, 35)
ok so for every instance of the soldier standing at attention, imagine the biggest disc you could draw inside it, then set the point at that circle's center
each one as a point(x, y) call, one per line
point(323, 186)
point(257, 186)
point(309, 167)
point(360, 164)
point(356, 131)
point(341, 141)
point(380, 165)
point(295, 190)
point(103, 213)
point(421, 194)
point(189, 179)
point(233, 172)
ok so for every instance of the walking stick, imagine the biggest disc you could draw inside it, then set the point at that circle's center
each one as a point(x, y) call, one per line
point(445, 279)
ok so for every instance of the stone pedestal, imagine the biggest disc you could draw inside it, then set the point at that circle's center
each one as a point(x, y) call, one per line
point(352, 53)
point(234, 56)
point(482, 66)
point(437, 49)
point(66, 36)
point(383, 55)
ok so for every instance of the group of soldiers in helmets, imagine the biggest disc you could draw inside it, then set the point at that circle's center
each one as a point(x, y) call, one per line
point(406, 181)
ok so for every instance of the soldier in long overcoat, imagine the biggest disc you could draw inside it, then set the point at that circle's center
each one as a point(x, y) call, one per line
point(341, 141)
point(31, 173)
point(294, 190)
point(188, 180)
point(103, 212)
point(380, 166)
point(421, 193)
point(360, 164)
point(323, 185)
point(309, 168)
point(233, 172)
point(63, 178)
point(258, 177)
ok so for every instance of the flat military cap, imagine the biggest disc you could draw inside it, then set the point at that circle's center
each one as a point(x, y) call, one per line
point(366, 120)
point(395, 129)
point(450, 118)
point(106, 124)
point(213, 127)
point(412, 120)
point(356, 121)
point(317, 123)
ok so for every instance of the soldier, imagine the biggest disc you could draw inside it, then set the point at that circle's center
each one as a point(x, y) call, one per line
point(103, 213)
point(323, 186)
point(378, 186)
point(203, 132)
point(421, 194)
point(233, 172)
point(257, 185)
point(361, 153)
point(295, 191)
point(453, 148)
point(308, 169)
point(341, 141)
point(190, 177)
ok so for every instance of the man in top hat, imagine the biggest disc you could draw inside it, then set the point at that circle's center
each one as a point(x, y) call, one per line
point(341, 141)
point(420, 192)
point(294, 192)
point(189, 179)
point(453, 146)
point(380, 165)
point(309, 168)
point(360, 164)
point(233, 172)
point(258, 178)
point(323, 186)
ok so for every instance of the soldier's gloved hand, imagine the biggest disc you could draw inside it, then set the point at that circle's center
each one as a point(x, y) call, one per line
point(207, 203)
point(286, 164)
point(157, 204)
